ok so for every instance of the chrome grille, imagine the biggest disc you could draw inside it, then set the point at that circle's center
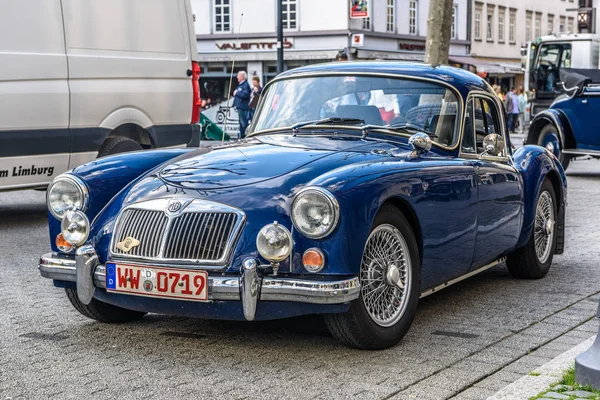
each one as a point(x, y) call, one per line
point(147, 226)
point(197, 232)
point(199, 236)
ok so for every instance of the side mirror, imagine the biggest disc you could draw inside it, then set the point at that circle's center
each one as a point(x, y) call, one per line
point(493, 144)
point(420, 142)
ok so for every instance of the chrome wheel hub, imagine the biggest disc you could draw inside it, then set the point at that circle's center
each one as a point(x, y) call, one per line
point(543, 231)
point(550, 146)
point(385, 275)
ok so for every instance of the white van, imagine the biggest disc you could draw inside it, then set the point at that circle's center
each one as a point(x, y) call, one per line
point(84, 79)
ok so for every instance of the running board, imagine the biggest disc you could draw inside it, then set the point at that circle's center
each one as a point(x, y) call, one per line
point(581, 152)
point(460, 278)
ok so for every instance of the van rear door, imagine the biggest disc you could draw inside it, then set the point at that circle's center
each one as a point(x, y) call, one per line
point(35, 141)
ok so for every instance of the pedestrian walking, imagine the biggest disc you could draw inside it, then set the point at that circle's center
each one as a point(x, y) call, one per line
point(241, 101)
point(522, 105)
point(511, 104)
point(255, 95)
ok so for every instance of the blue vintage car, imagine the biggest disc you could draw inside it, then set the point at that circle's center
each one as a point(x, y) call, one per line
point(361, 188)
point(568, 127)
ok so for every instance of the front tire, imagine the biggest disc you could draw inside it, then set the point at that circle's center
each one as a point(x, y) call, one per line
point(102, 312)
point(533, 260)
point(390, 278)
point(549, 139)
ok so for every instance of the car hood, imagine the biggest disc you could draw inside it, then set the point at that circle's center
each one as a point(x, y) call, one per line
point(259, 159)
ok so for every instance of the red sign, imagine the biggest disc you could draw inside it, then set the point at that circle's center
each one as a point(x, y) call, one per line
point(252, 45)
point(359, 8)
point(411, 46)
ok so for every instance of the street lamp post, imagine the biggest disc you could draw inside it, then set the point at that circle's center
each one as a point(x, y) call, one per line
point(587, 365)
point(279, 36)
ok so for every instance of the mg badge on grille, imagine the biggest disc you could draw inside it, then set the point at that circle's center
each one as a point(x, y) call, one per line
point(128, 244)
point(174, 206)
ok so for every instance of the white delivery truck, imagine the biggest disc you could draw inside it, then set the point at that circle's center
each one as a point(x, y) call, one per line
point(84, 79)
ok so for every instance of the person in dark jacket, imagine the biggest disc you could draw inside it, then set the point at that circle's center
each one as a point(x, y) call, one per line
point(256, 91)
point(241, 100)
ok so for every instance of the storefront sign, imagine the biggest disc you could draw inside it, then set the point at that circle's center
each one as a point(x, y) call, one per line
point(253, 45)
point(407, 46)
point(359, 8)
point(358, 40)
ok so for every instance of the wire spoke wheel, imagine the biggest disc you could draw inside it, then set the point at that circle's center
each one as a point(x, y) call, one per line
point(543, 231)
point(385, 275)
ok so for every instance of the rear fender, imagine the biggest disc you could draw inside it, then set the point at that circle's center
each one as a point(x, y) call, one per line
point(535, 165)
point(561, 123)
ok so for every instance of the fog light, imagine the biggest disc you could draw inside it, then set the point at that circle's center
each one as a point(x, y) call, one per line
point(75, 228)
point(62, 244)
point(313, 260)
point(274, 242)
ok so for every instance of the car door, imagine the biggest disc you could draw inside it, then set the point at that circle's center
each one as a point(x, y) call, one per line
point(583, 118)
point(498, 187)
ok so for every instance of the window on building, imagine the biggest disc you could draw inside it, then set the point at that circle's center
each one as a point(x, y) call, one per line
point(570, 26)
point(550, 24)
point(512, 28)
point(490, 25)
point(528, 28)
point(453, 32)
point(538, 26)
point(562, 24)
point(501, 15)
point(412, 17)
point(367, 23)
point(477, 28)
point(222, 15)
point(289, 13)
point(391, 24)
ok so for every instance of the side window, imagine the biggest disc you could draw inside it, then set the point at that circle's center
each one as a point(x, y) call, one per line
point(468, 142)
point(487, 121)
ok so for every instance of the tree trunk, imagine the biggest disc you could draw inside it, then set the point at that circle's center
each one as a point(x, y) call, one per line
point(439, 26)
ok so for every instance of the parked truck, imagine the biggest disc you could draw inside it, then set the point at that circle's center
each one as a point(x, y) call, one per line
point(543, 58)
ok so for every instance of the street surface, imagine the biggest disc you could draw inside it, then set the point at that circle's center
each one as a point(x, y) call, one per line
point(467, 341)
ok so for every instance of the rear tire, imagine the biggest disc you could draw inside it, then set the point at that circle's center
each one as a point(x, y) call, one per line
point(118, 144)
point(533, 260)
point(102, 312)
point(549, 139)
point(384, 318)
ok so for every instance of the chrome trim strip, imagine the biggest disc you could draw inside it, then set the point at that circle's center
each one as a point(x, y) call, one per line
point(461, 278)
point(190, 205)
point(222, 288)
point(581, 152)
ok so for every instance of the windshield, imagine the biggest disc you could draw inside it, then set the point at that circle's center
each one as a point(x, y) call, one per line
point(377, 101)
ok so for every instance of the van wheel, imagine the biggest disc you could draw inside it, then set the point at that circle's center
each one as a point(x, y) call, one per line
point(118, 144)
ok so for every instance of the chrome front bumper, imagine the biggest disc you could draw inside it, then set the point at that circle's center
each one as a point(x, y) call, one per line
point(249, 287)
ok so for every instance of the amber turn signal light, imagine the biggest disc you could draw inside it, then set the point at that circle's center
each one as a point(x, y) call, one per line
point(62, 244)
point(313, 260)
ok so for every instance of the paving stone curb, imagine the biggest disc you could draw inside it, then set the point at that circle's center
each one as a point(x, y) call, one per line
point(549, 373)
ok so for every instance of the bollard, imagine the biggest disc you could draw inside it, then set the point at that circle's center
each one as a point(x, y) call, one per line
point(587, 365)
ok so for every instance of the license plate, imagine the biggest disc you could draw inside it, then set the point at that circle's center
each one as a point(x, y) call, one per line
point(169, 283)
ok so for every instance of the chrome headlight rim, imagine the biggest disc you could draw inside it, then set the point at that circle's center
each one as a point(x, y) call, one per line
point(79, 185)
point(332, 202)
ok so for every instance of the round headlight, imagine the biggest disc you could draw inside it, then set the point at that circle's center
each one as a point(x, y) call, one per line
point(75, 228)
point(274, 242)
point(315, 212)
point(66, 193)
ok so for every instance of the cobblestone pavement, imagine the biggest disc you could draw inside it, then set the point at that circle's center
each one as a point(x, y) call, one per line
point(467, 341)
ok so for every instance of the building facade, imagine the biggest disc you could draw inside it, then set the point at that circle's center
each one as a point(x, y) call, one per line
point(241, 35)
point(500, 27)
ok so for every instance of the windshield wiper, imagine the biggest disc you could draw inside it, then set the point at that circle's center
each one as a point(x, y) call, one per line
point(325, 121)
point(409, 127)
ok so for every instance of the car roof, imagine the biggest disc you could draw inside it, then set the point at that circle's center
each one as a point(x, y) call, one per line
point(464, 81)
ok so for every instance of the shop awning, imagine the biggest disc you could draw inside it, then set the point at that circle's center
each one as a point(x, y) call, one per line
point(484, 66)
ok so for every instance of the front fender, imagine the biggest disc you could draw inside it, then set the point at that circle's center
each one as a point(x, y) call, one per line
point(107, 176)
point(535, 165)
point(555, 117)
